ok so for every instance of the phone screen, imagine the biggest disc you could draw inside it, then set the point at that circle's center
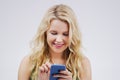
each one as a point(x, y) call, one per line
point(55, 70)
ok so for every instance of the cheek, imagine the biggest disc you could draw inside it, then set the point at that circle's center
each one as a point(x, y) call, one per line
point(66, 40)
point(50, 38)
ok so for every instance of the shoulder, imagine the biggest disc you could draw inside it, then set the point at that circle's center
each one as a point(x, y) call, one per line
point(25, 68)
point(85, 61)
point(86, 69)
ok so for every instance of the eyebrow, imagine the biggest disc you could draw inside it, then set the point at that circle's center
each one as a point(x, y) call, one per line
point(56, 31)
point(52, 31)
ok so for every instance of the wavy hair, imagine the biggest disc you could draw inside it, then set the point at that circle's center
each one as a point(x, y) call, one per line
point(73, 53)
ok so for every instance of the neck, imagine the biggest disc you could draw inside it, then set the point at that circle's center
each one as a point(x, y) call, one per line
point(57, 58)
point(58, 61)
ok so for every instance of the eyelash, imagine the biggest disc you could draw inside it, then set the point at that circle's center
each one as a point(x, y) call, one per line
point(53, 33)
point(63, 34)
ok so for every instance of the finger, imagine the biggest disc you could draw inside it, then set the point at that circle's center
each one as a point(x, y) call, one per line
point(41, 69)
point(45, 68)
point(66, 72)
point(63, 72)
point(60, 76)
point(43, 76)
point(69, 73)
point(63, 77)
point(48, 64)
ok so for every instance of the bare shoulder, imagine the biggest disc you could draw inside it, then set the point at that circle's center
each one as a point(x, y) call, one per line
point(25, 68)
point(85, 61)
point(86, 69)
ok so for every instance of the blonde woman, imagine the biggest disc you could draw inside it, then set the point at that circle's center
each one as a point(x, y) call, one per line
point(57, 41)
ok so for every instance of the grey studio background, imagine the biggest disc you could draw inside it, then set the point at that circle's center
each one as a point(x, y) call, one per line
point(99, 22)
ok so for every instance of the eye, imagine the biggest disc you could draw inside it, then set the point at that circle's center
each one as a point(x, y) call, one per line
point(65, 34)
point(53, 33)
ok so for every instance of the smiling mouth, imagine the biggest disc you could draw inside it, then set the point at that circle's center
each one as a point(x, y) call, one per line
point(58, 45)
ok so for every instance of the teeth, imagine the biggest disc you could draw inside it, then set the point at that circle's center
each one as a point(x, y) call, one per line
point(59, 45)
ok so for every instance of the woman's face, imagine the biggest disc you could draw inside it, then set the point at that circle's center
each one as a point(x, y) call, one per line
point(57, 36)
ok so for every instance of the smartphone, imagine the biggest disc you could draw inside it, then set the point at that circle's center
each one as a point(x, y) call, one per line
point(55, 70)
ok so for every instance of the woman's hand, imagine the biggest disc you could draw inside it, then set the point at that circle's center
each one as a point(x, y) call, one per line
point(64, 75)
point(44, 71)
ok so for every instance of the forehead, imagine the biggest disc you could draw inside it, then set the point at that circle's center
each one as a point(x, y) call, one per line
point(59, 25)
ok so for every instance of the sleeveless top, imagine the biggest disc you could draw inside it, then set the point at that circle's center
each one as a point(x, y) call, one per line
point(33, 77)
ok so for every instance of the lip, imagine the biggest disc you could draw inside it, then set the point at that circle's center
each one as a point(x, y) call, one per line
point(58, 45)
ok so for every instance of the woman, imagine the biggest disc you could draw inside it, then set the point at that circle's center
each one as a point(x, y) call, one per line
point(56, 42)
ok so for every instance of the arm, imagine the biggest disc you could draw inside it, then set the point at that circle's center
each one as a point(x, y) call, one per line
point(86, 69)
point(25, 69)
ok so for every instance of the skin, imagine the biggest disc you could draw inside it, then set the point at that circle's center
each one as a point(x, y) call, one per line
point(57, 39)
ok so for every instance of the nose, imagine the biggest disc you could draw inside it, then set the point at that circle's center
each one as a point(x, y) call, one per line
point(59, 38)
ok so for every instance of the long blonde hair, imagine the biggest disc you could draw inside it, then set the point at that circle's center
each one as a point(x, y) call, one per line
point(73, 53)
